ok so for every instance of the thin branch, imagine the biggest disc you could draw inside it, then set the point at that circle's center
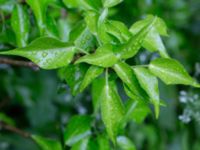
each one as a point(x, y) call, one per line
point(10, 128)
point(9, 61)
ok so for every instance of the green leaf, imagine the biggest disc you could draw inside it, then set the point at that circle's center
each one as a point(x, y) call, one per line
point(77, 129)
point(125, 143)
point(39, 9)
point(126, 74)
point(71, 3)
point(118, 30)
point(103, 142)
point(171, 71)
point(73, 75)
point(103, 57)
point(46, 144)
point(133, 45)
point(4, 118)
point(91, 19)
point(81, 145)
point(83, 4)
point(112, 109)
point(104, 36)
point(150, 84)
point(82, 38)
point(136, 111)
point(91, 74)
point(111, 3)
point(152, 41)
point(48, 53)
point(97, 88)
point(20, 25)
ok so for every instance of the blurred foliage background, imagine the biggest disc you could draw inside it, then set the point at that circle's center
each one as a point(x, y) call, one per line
point(38, 101)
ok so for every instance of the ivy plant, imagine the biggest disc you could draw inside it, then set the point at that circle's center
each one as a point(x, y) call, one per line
point(95, 53)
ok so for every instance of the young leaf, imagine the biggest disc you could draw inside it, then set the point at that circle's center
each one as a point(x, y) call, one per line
point(127, 75)
point(150, 84)
point(171, 71)
point(152, 41)
point(73, 75)
point(46, 144)
point(111, 3)
point(20, 25)
point(112, 109)
point(48, 53)
point(103, 57)
point(77, 129)
point(91, 74)
point(125, 143)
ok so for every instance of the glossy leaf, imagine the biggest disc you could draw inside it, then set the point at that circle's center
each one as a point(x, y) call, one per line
point(111, 3)
point(171, 71)
point(126, 74)
point(20, 25)
point(136, 111)
point(39, 9)
point(119, 30)
point(150, 84)
point(97, 87)
point(77, 129)
point(73, 75)
point(133, 45)
point(125, 143)
point(82, 38)
point(81, 145)
point(112, 109)
point(103, 57)
point(90, 75)
point(46, 144)
point(104, 36)
point(152, 41)
point(48, 53)
point(91, 19)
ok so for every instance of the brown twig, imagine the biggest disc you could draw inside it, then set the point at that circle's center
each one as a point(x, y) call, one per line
point(29, 64)
point(8, 127)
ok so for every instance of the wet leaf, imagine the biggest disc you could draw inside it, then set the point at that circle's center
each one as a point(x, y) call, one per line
point(112, 109)
point(48, 53)
point(126, 74)
point(150, 84)
point(171, 71)
point(103, 57)
point(20, 25)
point(77, 129)
point(91, 74)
